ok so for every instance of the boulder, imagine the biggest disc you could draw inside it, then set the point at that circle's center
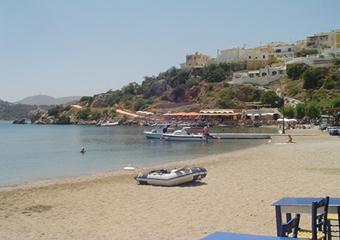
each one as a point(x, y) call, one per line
point(22, 121)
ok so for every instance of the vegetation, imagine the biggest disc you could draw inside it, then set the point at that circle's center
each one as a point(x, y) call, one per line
point(9, 111)
point(197, 88)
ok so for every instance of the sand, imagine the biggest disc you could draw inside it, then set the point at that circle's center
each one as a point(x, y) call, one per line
point(236, 196)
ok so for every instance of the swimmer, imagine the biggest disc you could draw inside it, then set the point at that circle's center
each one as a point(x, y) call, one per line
point(83, 150)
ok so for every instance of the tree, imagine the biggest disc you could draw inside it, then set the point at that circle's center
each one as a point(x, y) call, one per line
point(300, 111)
point(294, 71)
point(179, 91)
point(217, 75)
point(289, 112)
point(311, 78)
point(311, 109)
point(271, 98)
point(83, 114)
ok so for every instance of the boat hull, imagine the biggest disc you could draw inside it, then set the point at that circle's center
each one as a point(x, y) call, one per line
point(171, 177)
point(184, 137)
point(240, 135)
point(153, 135)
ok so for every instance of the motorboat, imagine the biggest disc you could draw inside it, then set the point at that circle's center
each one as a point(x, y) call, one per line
point(184, 135)
point(171, 177)
point(158, 131)
point(107, 124)
point(240, 135)
point(129, 168)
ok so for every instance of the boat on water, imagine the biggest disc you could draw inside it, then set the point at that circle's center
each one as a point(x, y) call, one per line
point(107, 124)
point(171, 177)
point(240, 135)
point(184, 135)
point(158, 131)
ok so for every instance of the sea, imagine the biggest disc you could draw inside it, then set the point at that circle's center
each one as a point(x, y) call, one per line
point(31, 152)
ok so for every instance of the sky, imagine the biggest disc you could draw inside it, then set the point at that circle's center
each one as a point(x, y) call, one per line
point(66, 48)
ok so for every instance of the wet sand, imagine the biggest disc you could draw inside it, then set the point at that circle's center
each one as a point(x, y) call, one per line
point(236, 196)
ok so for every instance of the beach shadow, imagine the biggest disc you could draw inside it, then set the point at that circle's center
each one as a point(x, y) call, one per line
point(192, 184)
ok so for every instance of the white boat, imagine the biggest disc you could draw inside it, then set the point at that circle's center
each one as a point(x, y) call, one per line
point(184, 135)
point(240, 135)
point(107, 124)
point(158, 131)
point(129, 168)
point(171, 177)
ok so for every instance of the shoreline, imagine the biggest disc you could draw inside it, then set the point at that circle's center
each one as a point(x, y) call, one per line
point(239, 189)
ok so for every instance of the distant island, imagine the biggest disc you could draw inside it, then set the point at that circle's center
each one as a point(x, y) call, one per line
point(38, 103)
point(47, 100)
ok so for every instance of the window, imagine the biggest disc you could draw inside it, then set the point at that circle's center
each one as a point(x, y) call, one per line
point(289, 49)
point(263, 63)
point(264, 74)
point(249, 63)
point(249, 57)
point(264, 56)
point(274, 73)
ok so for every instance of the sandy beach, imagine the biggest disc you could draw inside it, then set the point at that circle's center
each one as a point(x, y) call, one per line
point(236, 196)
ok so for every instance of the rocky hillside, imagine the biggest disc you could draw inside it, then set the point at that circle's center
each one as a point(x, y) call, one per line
point(192, 90)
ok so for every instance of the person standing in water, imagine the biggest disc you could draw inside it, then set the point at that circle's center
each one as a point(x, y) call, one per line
point(83, 150)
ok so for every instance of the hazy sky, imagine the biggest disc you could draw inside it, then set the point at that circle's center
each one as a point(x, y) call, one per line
point(85, 47)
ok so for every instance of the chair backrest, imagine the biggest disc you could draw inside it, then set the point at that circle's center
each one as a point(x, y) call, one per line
point(319, 221)
point(291, 226)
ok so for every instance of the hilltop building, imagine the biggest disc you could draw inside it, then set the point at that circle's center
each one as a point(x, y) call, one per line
point(258, 62)
point(195, 61)
point(324, 40)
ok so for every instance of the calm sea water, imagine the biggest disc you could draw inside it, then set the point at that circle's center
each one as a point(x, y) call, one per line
point(33, 152)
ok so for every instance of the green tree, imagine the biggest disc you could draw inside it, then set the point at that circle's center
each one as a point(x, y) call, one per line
point(311, 109)
point(270, 97)
point(311, 78)
point(300, 111)
point(225, 100)
point(295, 71)
point(289, 112)
point(83, 114)
point(217, 75)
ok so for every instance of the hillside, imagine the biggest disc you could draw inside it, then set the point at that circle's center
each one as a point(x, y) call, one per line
point(10, 111)
point(189, 90)
point(47, 100)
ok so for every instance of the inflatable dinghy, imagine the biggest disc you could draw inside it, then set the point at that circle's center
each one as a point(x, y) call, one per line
point(171, 177)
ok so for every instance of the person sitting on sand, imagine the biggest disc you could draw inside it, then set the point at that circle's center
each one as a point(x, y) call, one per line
point(83, 150)
point(290, 140)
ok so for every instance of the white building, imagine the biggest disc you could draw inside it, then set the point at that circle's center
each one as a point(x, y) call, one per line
point(262, 76)
point(232, 55)
point(282, 51)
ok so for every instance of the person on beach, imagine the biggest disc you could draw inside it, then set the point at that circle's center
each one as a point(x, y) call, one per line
point(82, 150)
point(290, 140)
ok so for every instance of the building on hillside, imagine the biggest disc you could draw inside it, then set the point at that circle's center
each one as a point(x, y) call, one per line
point(301, 45)
point(262, 76)
point(331, 52)
point(195, 61)
point(259, 58)
point(313, 61)
point(324, 40)
point(234, 55)
point(282, 51)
